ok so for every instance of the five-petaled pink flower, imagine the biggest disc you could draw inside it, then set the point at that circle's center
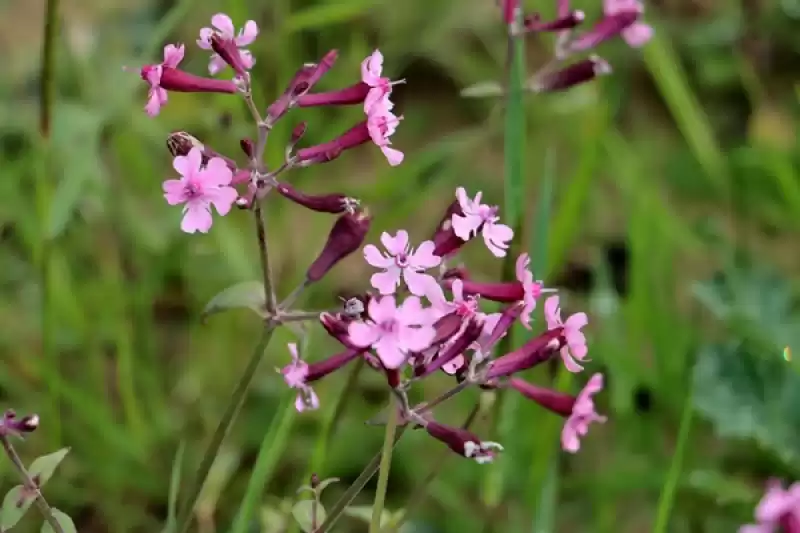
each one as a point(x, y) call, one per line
point(380, 87)
point(575, 340)
point(226, 30)
point(294, 374)
point(532, 289)
point(638, 33)
point(157, 96)
point(401, 261)
point(481, 217)
point(381, 124)
point(200, 187)
point(778, 510)
point(394, 331)
point(583, 414)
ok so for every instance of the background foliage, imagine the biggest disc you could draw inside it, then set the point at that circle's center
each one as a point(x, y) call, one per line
point(674, 222)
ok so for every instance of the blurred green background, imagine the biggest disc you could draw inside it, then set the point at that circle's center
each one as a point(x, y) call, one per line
point(674, 224)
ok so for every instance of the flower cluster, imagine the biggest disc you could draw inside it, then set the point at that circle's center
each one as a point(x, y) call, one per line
point(419, 317)
point(621, 18)
point(779, 510)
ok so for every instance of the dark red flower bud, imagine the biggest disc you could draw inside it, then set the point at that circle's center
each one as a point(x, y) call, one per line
point(322, 153)
point(323, 203)
point(445, 239)
point(320, 369)
point(345, 237)
point(446, 327)
point(463, 442)
point(534, 352)
point(247, 147)
point(456, 347)
point(176, 80)
point(229, 52)
point(558, 402)
point(11, 425)
point(355, 94)
point(607, 28)
point(302, 82)
point(576, 74)
point(510, 315)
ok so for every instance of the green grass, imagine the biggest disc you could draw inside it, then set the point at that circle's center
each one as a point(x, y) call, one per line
point(102, 293)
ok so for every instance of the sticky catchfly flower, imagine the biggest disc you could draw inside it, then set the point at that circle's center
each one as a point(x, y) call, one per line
point(394, 332)
point(199, 188)
point(295, 375)
point(481, 218)
point(778, 510)
point(401, 261)
point(371, 76)
point(225, 30)
point(575, 340)
point(10, 424)
point(381, 124)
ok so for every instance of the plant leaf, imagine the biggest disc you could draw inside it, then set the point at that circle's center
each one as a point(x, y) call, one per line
point(302, 512)
point(483, 89)
point(248, 294)
point(747, 396)
point(44, 466)
point(11, 511)
point(63, 519)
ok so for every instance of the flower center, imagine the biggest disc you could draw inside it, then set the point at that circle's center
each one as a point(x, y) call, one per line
point(193, 189)
point(466, 308)
point(401, 260)
point(389, 327)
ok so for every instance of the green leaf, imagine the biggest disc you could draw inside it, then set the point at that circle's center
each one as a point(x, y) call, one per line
point(248, 294)
point(63, 519)
point(174, 487)
point(12, 511)
point(302, 512)
point(746, 396)
point(44, 466)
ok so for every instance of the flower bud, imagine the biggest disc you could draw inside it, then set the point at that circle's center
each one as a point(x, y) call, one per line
point(11, 425)
point(229, 52)
point(607, 28)
point(247, 147)
point(304, 79)
point(533, 23)
point(323, 203)
point(457, 347)
point(320, 369)
point(345, 237)
point(463, 442)
point(445, 239)
point(354, 94)
point(322, 153)
point(576, 74)
point(534, 352)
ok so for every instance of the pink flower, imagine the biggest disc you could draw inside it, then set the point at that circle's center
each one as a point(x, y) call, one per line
point(576, 341)
point(157, 96)
point(226, 30)
point(583, 414)
point(482, 218)
point(199, 188)
point(532, 290)
point(381, 124)
point(636, 34)
point(295, 374)
point(380, 87)
point(778, 510)
point(401, 261)
point(394, 332)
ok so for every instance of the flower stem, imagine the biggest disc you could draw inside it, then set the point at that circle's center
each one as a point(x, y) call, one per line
point(263, 248)
point(356, 488)
point(30, 484)
point(231, 412)
point(385, 466)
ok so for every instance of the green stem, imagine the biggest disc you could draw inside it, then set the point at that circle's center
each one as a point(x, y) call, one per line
point(385, 466)
point(48, 82)
point(355, 489)
point(673, 476)
point(272, 448)
point(230, 414)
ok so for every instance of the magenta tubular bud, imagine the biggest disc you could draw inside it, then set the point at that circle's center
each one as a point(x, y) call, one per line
point(607, 28)
point(302, 82)
point(324, 65)
point(320, 369)
point(180, 143)
point(346, 237)
point(463, 442)
point(534, 24)
point(298, 132)
point(445, 240)
point(229, 52)
point(576, 74)
point(393, 377)
point(458, 346)
point(323, 203)
point(446, 327)
point(534, 352)
point(336, 326)
point(557, 402)
point(176, 80)
point(18, 427)
point(247, 147)
point(322, 153)
point(507, 319)
point(355, 94)
point(508, 292)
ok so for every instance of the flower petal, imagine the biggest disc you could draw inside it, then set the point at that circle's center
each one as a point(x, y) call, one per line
point(417, 282)
point(248, 34)
point(386, 282)
point(224, 24)
point(174, 192)
point(395, 245)
point(196, 217)
point(222, 198)
point(423, 256)
point(363, 334)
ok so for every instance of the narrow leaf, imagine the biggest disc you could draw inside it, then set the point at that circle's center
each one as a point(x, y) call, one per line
point(44, 466)
point(63, 519)
point(248, 294)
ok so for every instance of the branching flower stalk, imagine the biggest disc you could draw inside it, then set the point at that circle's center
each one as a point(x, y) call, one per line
point(416, 317)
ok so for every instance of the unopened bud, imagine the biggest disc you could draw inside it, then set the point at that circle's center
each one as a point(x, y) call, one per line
point(11, 425)
point(445, 239)
point(323, 203)
point(576, 74)
point(247, 147)
point(346, 237)
point(229, 52)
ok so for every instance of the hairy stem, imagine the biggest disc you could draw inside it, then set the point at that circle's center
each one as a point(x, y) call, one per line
point(385, 467)
point(30, 485)
point(230, 414)
point(263, 249)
